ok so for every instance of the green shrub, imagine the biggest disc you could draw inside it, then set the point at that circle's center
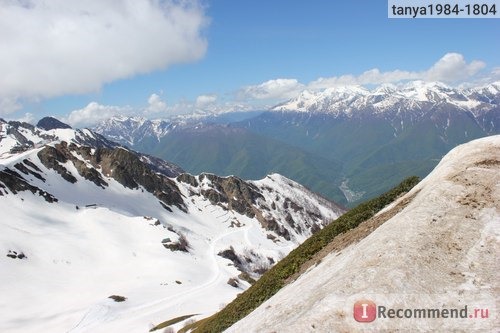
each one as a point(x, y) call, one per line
point(118, 298)
point(171, 322)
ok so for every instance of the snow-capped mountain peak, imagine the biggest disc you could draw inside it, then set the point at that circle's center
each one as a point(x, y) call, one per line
point(19, 136)
point(352, 100)
point(385, 89)
point(347, 90)
point(128, 130)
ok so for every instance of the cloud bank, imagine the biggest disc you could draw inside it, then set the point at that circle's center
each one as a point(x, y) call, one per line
point(204, 101)
point(156, 107)
point(94, 113)
point(57, 47)
point(451, 68)
point(272, 89)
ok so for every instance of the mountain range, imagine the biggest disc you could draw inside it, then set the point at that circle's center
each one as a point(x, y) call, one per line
point(347, 143)
point(390, 100)
point(99, 238)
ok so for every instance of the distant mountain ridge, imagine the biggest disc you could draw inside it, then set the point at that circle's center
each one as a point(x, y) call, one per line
point(347, 143)
point(388, 100)
point(130, 130)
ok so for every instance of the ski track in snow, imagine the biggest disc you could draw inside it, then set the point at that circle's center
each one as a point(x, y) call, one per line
point(99, 313)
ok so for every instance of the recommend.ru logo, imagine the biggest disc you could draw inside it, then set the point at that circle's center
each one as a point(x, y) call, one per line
point(366, 311)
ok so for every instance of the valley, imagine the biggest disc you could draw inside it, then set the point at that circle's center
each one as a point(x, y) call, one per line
point(374, 138)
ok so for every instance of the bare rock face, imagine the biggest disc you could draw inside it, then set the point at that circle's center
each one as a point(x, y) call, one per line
point(122, 165)
point(240, 196)
point(256, 200)
point(14, 130)
point(127, 168)
point(28, 168)
point(232, 193)
point(52, 157)
point(16, 255)
point(161, 166)
point(15, 183)
point(188, 179)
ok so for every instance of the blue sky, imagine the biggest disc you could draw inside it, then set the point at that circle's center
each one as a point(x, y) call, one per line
point(158, 58)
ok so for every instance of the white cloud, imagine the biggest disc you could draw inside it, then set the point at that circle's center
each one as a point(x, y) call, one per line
point(9, 105)
point(272, 89)
point(204, 101)
point(212, 104)
point(94, 113)
point(57, 47)
point(233, 106)
point(451, 68)
point(217, 107)
point(495, 75)
point(155, 105)
point(372, 76)
point(28, 118)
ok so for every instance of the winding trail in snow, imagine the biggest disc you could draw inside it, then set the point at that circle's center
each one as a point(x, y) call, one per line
point(99, 313)
point(96, 313)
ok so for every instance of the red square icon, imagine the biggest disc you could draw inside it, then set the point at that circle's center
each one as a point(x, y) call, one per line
point(365, 311)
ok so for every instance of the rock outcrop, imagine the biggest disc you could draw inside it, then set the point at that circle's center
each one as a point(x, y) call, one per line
point(50, 123)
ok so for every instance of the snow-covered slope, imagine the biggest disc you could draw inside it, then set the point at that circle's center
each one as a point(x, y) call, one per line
point(439, 251)
point(83, 223)
point(129, 130)
point(16, 137)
